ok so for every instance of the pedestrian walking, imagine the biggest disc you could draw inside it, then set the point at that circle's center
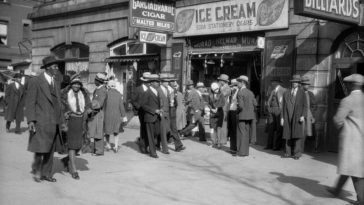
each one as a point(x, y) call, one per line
point(225, 89)
point(181, 118)
point(232, 115)
point(350, 120)
point(196, 107)
point(76, 106)
point(309, 123)
point(14, 103)
point(96, 118)
point(274, 107)
point(137, 104)
point(115, 115)
point(216, 103)
point(246, 116)
point(45, 119)
point(187, 100)
point(293, 115)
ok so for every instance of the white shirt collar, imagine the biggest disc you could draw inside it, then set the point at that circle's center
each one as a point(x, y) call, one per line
point(48, 78)
point(199, 93)
point(154, 90)
point(145, 88)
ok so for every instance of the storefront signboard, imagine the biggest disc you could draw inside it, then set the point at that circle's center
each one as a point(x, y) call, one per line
point(347, 11)
point(153, 37)
point(231, 16)
point(177, 61)
point(223, 42)
point(157, 15)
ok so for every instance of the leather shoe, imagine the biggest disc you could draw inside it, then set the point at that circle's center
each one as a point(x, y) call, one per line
point(75, 175)
point(180, 148)
point(296, 158)
point(37, 178)
point(154, 155)
point(165, 152)
point(286, 155)
point(47, 178)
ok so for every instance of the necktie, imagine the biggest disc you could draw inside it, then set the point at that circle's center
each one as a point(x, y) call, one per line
point(77, 103)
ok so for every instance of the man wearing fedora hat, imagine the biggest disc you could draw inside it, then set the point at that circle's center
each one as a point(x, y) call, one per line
point(45, 119)
point(349, 119)
point(136, 102)
point(274, 107)
point(232, 115)
point(293, 117)
point(225, 90)
point(196, 107)
point(96, 121)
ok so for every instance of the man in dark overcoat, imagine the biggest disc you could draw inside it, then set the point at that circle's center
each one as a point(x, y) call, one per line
point(14, 102)
point(153, 107)
point(136, 102)
point(293, 116)
point(246, 104)
point(45, 119)
point(96, 121)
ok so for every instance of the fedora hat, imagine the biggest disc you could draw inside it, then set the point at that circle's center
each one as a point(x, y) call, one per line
point(224, 77)
point(153, 77)
point(296, 78)
point(355, 79)
point(200, 85)
point(189, 82)
point(233, 82)
point(49, 60)
point(243, 78)
point(164, 77)
point(145, 75)
point(75, 79)
point(171, 77)
point(305, 80)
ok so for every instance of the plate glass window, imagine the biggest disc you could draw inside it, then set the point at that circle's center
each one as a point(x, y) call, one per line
point(3, 33)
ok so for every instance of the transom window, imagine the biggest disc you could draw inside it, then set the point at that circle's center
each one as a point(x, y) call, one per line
point(352, 47)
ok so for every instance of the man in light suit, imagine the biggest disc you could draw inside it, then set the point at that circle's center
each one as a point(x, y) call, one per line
point(225, 89)
point(45, 119)
point(136, 102)
point(196, 107)
point(246, 105)
point(293, 116)
point(274, 106)
point(350, 120)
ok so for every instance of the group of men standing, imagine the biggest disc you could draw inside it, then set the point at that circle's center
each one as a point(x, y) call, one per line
point(156, 102)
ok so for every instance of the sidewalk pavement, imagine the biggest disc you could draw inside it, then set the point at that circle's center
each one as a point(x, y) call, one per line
point(199, 175)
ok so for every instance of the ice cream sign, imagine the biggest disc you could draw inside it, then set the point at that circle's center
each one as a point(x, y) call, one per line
point(231, 16)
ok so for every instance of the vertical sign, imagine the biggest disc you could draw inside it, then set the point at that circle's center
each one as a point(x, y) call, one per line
point(177, 62)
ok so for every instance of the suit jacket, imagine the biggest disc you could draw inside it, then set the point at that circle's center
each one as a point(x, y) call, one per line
point(246, 104)
point(137, 97)
point(41, 110)
point(293, 109)
point(195, 102)
point(151, 103)
point(350, 119)
point(165, 99)
point(14, 101)
point(275, 100)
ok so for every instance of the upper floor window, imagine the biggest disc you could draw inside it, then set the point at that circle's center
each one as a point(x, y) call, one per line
point(3, 33)
point(27, 31)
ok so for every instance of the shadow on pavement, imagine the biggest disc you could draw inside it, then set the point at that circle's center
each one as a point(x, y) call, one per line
point(81, 165)
point(133, 145)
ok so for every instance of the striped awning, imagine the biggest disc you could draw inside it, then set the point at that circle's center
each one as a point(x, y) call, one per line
point(132, 58)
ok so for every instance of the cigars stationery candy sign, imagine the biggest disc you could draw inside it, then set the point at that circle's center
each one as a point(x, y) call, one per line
point(231, 16)
point(153, 14)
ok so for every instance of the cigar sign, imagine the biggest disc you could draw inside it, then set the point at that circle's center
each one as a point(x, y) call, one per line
point(153, 14)
point(231, 16)
point(153, 37)
point(347, 11)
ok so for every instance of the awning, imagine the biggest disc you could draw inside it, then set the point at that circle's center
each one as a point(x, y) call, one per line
point(133, 58)
point(224, 50)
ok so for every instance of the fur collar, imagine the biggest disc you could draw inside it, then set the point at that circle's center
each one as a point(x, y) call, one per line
point(71, 101)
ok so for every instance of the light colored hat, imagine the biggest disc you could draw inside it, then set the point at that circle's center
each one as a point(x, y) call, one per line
point(112, 84)
point(224, 77)
point(200, 85)
point(144, 76)
point(233, 82)
point(214, 86)
point(305, 80)
point(101, 77)
point(75, 79)
point(355, 78)
point(296, 78)
point(243, 78)
point(189, 82)
point(153, 77)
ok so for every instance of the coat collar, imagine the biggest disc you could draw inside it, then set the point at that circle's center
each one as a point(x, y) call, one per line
point(44, 85)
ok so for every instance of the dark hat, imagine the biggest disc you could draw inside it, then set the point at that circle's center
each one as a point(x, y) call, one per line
point(355, 78)
point(49, 60)
point(17, 75)
point(189, 82)
point(305, 80)
point(296, 79)
point(224, 77)
point(76, 79)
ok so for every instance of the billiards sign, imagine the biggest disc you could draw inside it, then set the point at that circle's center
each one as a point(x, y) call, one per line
point(343, 11)
point(152, 14)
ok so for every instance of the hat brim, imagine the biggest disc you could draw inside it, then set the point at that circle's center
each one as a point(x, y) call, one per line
point(226, 80)
point(77, 81)
point(144, 79)
point(50, 63)
point(295, 81)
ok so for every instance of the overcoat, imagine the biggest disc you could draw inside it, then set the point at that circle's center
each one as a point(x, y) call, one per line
point(165, 101)
point(114, 112)
point(180, 112)
point(14, 101)
point(216, 102)
point(292, 110)
point(96, 121)
point(350, 118)
point(41, 110)
point(310, 119)
point(246, 104)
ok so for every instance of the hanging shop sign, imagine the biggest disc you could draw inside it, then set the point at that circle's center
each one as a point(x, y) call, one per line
point(156, 15)
point(347, 11)
point(231, 16)
point(153, 37)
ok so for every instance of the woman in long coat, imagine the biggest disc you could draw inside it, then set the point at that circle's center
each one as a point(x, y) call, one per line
point(181, 110)
point(216, 103)
point(114, 115)
point(350, 119)
point(76, 106)
point(14, 102)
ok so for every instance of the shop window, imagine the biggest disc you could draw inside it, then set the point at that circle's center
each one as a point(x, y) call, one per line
point(352, 47)
point(73, 51)
point(135, 48)
point(3, 33)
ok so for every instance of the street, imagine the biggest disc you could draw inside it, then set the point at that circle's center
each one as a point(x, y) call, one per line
point(198, 175)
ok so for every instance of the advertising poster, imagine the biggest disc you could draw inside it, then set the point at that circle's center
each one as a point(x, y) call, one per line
point(177, 62)
point(231, 16)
